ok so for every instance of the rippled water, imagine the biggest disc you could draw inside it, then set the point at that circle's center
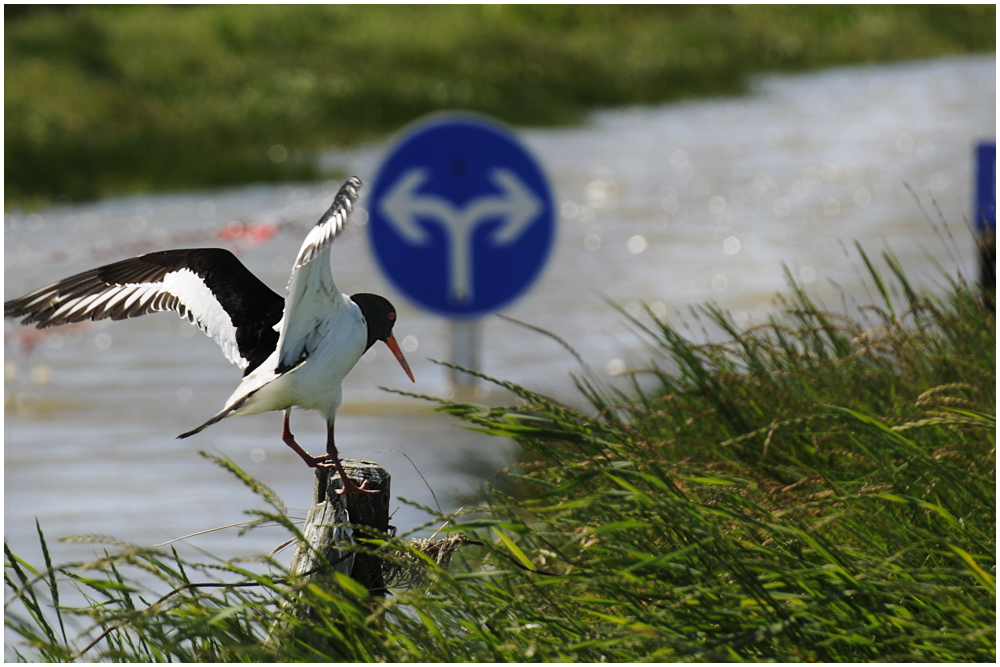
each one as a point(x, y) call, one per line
point(671, 205)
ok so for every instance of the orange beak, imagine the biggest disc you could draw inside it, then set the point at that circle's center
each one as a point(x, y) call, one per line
point(394, 346)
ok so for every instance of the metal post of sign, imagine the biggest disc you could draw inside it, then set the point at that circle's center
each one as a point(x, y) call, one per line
point(465, 343)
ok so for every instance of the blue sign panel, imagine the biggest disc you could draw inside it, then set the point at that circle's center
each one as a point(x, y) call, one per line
point(461, 216)
point(986, 186)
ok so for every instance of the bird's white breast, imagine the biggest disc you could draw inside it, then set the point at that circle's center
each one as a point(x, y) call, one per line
point(338, 345)
point(333, 346)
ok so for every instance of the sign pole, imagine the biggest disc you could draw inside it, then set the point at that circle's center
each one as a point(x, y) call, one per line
point(465, 343)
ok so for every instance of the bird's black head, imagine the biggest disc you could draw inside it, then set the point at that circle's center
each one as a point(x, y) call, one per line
point(379, 314)
point(381, 317)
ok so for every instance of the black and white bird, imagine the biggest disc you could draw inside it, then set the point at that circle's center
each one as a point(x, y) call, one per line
point(294, 351)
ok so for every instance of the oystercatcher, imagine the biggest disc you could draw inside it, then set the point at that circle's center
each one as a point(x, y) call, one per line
point(295, 351)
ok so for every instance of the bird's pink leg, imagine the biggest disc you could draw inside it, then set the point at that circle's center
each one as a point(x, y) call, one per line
point(331, 452)
point(289, 439)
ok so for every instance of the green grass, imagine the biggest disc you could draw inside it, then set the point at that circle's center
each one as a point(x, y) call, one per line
point(815, 488)
point(117, 99)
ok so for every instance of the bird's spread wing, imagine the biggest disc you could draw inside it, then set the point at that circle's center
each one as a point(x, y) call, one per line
point(208, 286)
point(329, 226)
point(311, 290)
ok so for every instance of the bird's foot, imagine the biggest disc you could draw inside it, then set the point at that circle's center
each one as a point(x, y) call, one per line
point(348, 485)
point(333, 461)
point(316, 461)
point(351, 487)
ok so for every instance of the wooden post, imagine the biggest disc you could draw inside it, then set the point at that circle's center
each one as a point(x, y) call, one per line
point(326, 530)
point(369, 510)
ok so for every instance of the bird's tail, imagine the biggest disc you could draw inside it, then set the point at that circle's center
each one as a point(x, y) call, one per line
point(217, 418)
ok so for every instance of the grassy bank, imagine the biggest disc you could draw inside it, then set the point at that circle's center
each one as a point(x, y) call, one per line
point(109, 100)
point(817, 488)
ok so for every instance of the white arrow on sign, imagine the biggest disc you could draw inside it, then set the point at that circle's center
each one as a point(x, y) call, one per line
point(517, 204)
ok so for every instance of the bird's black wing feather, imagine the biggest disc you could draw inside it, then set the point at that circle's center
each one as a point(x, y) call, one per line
point(208, 286)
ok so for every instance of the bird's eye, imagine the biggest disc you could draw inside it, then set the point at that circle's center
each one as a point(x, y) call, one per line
point(392, 317)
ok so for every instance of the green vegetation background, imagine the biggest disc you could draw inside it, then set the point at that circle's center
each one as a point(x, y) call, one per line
point(818, 488)
point(116, 99)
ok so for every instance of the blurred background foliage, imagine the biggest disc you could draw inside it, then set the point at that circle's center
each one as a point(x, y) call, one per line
point(104, 100)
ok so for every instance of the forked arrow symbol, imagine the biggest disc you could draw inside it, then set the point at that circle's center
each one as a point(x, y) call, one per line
point(517, 204)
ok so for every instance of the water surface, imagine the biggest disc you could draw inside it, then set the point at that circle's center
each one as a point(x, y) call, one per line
point(669, 205)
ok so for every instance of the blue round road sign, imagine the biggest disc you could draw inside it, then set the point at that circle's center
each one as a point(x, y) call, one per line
point(461, 216)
